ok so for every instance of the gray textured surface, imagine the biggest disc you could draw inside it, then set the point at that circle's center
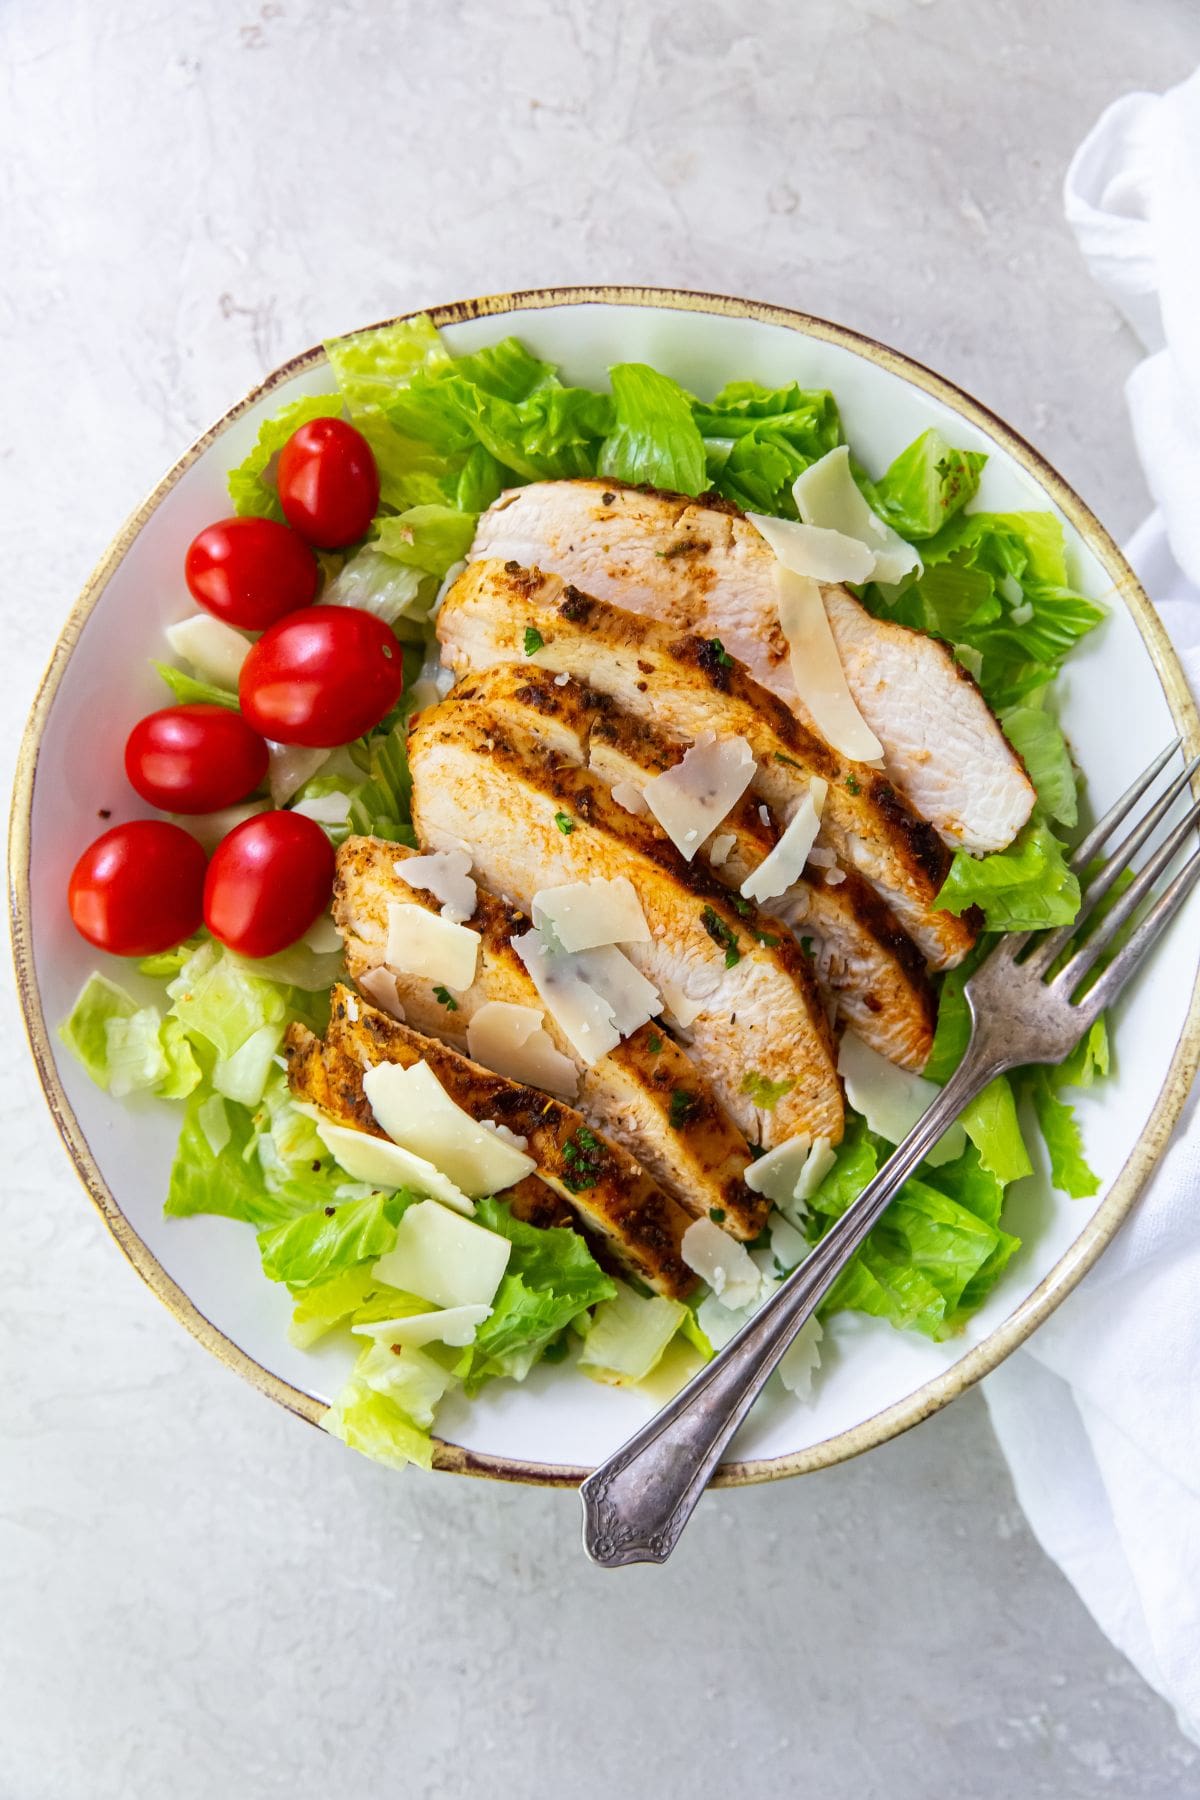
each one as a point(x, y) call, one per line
point(198, 1594)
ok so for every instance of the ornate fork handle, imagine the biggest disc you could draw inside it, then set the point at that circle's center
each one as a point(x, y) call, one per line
point(638, 1502)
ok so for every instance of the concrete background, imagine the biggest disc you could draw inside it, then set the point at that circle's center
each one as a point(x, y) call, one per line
point(198, 1594)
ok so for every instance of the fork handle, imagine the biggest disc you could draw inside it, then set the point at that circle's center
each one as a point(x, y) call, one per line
point(637, 1503)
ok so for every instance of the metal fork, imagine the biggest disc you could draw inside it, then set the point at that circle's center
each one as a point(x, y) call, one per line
point(1023, 1010)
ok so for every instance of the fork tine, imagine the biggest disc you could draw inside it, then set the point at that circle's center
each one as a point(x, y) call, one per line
point(1126, 961)
point(1050, 946)
point(1104, 827)
point(1084, 958)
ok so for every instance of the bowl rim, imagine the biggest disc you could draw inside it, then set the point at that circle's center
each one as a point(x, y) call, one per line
point(932, 1395)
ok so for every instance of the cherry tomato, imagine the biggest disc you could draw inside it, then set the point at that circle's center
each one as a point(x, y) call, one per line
point(328, 483)
point(321, 677)
point(138, 889)
point(194, 759)
point(251, 572)
point(267, 882)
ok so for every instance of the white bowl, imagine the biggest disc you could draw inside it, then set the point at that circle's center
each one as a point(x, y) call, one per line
point(1123, 697)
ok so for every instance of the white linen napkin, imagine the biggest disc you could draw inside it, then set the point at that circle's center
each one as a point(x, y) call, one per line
point(1099, 1415)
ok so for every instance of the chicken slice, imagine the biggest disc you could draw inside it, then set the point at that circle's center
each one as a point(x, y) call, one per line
point(863, 960)
point(601, 1183)
point(479, 781)
point(694, 1151)
point(705, 568)
point(688, 685)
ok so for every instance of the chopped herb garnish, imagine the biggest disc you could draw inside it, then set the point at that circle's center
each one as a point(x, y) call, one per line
point(683, 1108)
point(806, 945)
point(654, 1045)
point(584, 1157)
point(721, 934)
point(852, 784)
point(533, 640)
point(717, 1214)
point(763, 1092)
point(741, 906)
point(447, 998)
point(565, 823)
point(765, 937)
point(789, 760)
point(721, 653)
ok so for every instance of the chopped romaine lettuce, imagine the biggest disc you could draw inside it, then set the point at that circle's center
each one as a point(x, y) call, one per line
point(757, 440)
point(331, 1239)
point(128, 1048)
point(1037, 738)
point(654, 438)
point(249, 487)
point(189, 690)
point(925, 486)
point(371, 1422)
point(628, 1335)
point(1027, 887)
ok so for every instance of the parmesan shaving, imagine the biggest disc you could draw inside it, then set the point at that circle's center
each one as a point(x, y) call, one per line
point(691, 800)
point(817, 668)
point(423, 943)
point(325, 809)
point(718, 850)
point(584, 915)
point(595, 997)
point(815, 550)
point(784, 865)
point(453, 1325)
point(513, 1041)
point(387, 1165)
point(446, 874)
point(679, 1008)
point(791, 1172)
point(417, 1113)
point(892, 1099)
point(827, 494)
point(381, 986)
point(722, 1262)
point(448, 1261)
point(630, 797)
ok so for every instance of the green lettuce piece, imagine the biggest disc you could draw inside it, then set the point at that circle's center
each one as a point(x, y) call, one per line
point(326, 1304)
point(85, 1029)
point(1069, 1169)
point(506, 369)
point(654, 438)
point(249, 488)
point(217, 1001)
point(189, 690)
point(1038, 740)
point(373, 1424)
point(925, 486)
point(428, 538)
point(757, 440)
point(992, 1125)
point(552, 431)
point(953, 1028)
point(1088, 1061)
point(377, 583)
point(629, 1335)
point(382, 807)
point(550, 1279)
point(412, 1380)
point(227, 1181)
point(1024, 888)
point(369, 365)
point(331, 1239)
point(857, 1161)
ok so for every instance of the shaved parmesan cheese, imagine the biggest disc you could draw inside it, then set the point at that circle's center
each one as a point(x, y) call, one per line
point(289, 767)
point(789, 1247)
point(630, 797)
point(722, 1262)
point(678, 1006)
point(817, 668)
point(718, 1322)
point(513, 1041)
point(718, 850)
point(891, 1099)
point(595, 997)
point(453, 1325)
point(381, 986)
point(417, 1113)
point(446, 874)
point(801, 1360)
point(325, 809)
point(443, 1258)
point(215, 650)
point(585, 915)
point(784, 865)
point(827, 494)
point(690, 800)
point(423, 943)
point(512, 1138)
point(815, 550)
point(821, 1159)
point(778, 1173)
point(386, 1165)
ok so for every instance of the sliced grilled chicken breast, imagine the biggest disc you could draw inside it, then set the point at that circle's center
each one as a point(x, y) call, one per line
point(706, 569)
point(477, 780)
point(695, 1151)
point(640, 1225)
point(863, 960)
point(688, 685)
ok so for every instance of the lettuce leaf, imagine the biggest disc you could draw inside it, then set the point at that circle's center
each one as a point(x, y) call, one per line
point(925, 486)
point(373, 1424)
point(551, 431)
point(249, 487)
point(220, 1004)
point(127, 1048)
point(1024, 888)
point(368, 366)
point(331, 1239)
point(992, 1125)
point(85, 1029)
point(189, 689)
point(382, 805)
point(654, 438)
point(1038, 740)
point(428, 538)
point(1069, 1169)
point(757, 440)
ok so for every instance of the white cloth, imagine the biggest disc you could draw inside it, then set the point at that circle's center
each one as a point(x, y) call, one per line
point(1099, 1415)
